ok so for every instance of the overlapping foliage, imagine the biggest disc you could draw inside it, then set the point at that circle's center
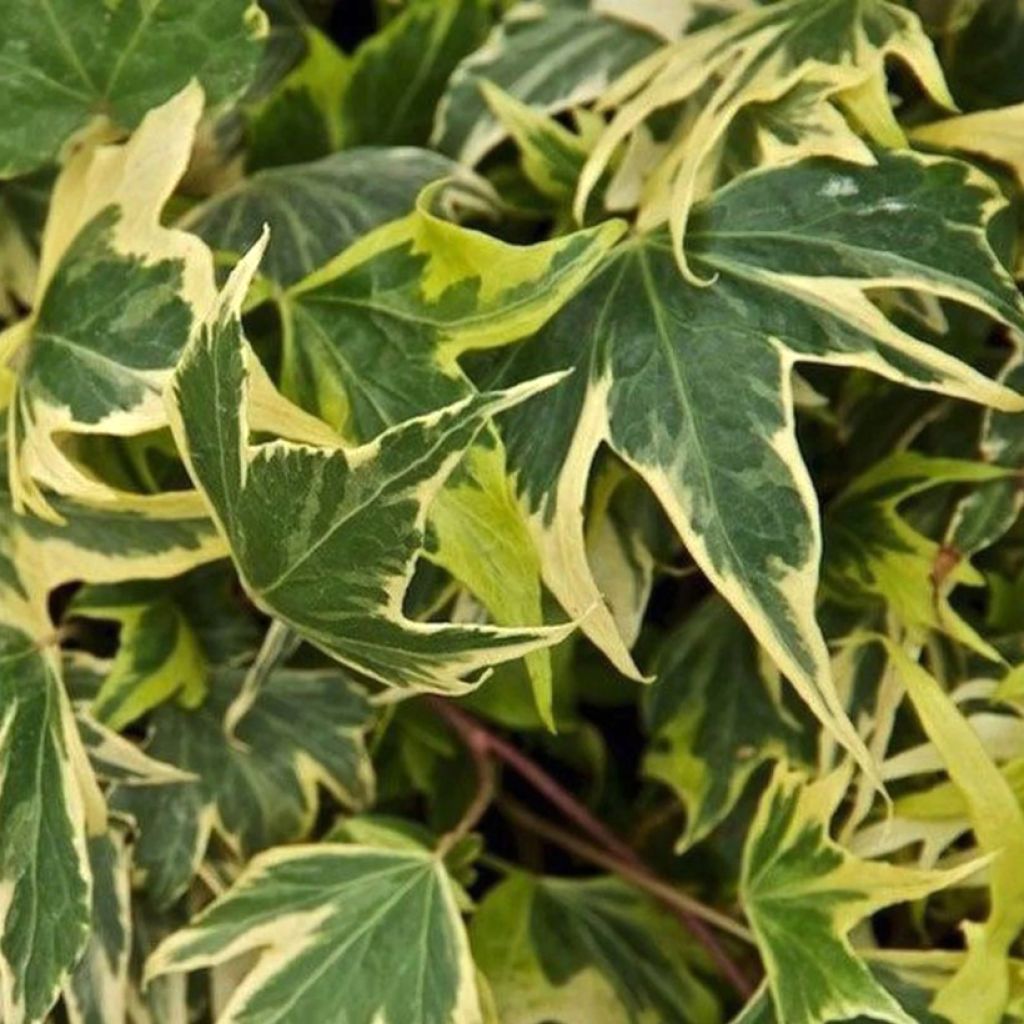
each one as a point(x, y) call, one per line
point(511, 511)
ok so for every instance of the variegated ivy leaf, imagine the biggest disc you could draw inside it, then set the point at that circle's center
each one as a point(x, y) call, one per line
point(158, 656)
point(316, 210)
point(71, 62)
point(97, 991)
point(45, 790)
point(910, 977)
point(988, 512)
point(803, 893)
point(874, 554)
point(371, 936)
point(117, 298)
point(549, 56)
point(590, 951)
point(23, 204)
point(254, 790)
point(374, 339)
point(715, 716)
point(759, 56)
point(979, 991)
point(691, 385)
point(325, 538)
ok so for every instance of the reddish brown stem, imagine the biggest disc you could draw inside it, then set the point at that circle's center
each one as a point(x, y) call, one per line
point(621, 857)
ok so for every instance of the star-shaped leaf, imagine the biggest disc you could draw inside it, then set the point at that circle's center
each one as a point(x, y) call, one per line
point(691, 385)
point(803, 893)
point(368, 935)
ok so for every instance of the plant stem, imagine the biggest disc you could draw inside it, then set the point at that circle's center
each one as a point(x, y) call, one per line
point(615, 855)
point(485, 789)
point(642, 877)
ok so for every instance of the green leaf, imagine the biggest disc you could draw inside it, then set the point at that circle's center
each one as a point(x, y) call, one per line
point(978, 993)
point(371, 936)
point(316, 210)
point(98, 988)
point(803, 893)
point(158, 656)
point(594, 951)
point(66, 63)
point(756, 57)
point(118, 297)
point(44, 872)
point(873, 553)
point(305, 729)
point(355, 517)
point(691, 386)
point(426, 41)
point(549, 56)
point(715, 716)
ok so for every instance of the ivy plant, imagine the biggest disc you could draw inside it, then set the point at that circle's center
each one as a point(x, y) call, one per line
point(510, 512)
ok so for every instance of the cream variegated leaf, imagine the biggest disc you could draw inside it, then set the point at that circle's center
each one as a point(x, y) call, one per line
point(369, 935)
point(759, 56)
point(994, 134)
point(97, 992)
point(804, 893)
point(691, 385)
point(355, 516)
point(373, 339)
point(117, 298)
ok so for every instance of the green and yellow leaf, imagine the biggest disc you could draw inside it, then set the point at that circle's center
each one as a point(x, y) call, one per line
point(691, 386)
point(373, 936)
point(803, 894)
point(759, 56)
point(117, 298)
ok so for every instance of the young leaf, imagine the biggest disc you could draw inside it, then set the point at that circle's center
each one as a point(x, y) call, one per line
point(118, 297)
point(67, 63)
point(758, 56)
point(874, 553)
point(369, 935)
point(305, 729)
point(715, 716)
point(978, 992)
point(355, 517)
point(794, 251)
point(595, 951)
point(158, 657)
point(98, 988)
point(803, 893)
point(318, 209)
point(549, 56)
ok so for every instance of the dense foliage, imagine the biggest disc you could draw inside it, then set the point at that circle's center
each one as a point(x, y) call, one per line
point(511, 511)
